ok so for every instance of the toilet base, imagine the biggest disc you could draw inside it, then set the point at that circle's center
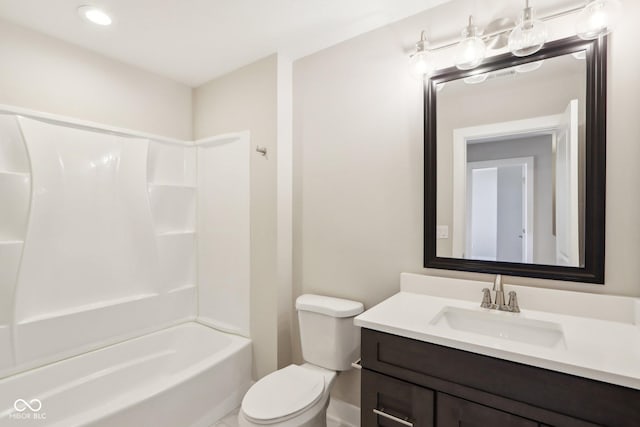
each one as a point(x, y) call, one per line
point(316, 416)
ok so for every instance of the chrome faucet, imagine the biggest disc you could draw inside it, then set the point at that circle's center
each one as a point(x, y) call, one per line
point(499, 290)
point(499, 304)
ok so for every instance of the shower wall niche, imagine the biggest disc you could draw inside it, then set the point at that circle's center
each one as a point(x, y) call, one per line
point(15, 192)
point(172, 197)
point(98, 237)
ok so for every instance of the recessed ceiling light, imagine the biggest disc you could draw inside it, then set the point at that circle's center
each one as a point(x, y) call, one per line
point(95, 15)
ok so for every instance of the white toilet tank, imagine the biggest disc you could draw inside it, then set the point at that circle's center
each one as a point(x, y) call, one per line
point(327, 333)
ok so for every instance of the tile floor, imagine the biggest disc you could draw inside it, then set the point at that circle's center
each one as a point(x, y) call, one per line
point(231, 420)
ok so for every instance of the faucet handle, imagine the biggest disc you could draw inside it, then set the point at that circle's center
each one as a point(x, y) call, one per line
point(513, 302)
point(486, 299)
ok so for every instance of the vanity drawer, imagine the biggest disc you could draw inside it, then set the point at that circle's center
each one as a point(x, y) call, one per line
point(454, 412)
point(388, 402)
point(551, 397)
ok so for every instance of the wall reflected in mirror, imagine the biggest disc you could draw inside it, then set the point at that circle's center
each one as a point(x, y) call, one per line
point(511, 164)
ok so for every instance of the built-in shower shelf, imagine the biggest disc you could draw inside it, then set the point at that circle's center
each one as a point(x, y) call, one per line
point(175, 233)
point(25, 174)
point(15, 192)
point(181, 288)
point(171, 185)
point(173, 207)
point(88, 308)
point(11, 242)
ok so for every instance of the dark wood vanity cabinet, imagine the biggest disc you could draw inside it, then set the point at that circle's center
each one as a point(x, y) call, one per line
point(456, 412)
point(409, 382)
point(391, 402)
point(395, 398)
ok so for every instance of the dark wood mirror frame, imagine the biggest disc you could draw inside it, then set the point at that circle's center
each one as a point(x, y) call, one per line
point(595, 162)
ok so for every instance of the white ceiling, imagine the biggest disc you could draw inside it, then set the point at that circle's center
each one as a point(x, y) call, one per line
point(193, 41)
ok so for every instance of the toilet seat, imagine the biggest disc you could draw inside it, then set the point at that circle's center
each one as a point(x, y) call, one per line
point(283, 394)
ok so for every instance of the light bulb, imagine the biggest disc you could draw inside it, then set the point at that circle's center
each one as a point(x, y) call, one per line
point(421, 63)
point(528, 36)
point(471, 50)
point(598, 18)
point(95, 15)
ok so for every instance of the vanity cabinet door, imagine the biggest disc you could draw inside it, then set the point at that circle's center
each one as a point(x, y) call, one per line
point(454, 412)
point(387, 402)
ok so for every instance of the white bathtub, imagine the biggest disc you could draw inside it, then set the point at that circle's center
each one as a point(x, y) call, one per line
point(185, 376)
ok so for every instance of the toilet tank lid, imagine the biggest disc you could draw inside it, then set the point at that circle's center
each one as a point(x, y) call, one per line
point(335, 307)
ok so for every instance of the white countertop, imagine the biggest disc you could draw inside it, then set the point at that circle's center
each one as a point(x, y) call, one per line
point(605, 347)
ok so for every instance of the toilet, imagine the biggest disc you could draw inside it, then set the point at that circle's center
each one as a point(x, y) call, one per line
point(298, 395)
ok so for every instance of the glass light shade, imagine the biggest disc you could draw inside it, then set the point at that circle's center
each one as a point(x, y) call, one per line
point(598, 18)
point(528, 36)
point(474, 80)
point(471, 50)
point(529, 66)
point(421, 65)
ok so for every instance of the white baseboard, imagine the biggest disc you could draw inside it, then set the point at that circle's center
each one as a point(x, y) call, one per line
point(344, 413)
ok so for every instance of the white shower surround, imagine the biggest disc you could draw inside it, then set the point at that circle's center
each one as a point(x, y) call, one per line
point(77, 276)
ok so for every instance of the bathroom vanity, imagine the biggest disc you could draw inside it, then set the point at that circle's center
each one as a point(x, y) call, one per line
point(438, 353)
point(433, 385)
point(432, 357)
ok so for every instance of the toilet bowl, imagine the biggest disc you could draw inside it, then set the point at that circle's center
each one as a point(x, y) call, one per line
point(294, 396)
point(298, 395)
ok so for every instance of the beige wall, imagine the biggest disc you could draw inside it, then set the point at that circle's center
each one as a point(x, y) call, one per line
point(357, 174)
point(247, 99)
point(44, 74)
point(285, 209)
point(358, 168)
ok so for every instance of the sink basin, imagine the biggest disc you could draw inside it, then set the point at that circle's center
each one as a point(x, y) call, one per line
point(501, 325)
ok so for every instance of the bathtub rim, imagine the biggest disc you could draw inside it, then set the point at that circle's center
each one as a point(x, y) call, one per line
point(30, 367)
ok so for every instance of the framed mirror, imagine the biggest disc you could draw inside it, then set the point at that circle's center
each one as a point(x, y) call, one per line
point(515, 164)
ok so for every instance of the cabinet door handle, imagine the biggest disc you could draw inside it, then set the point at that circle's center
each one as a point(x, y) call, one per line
point(392, 418)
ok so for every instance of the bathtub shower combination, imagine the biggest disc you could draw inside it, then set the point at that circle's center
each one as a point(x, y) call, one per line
point(124, 275)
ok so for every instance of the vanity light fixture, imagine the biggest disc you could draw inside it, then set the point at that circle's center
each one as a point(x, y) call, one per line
point(529, 35)
point(95, 15)
point(421, 62)
point(471, 50)
point(598, 18)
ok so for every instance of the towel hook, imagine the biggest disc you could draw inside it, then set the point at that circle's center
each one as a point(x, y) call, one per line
point(261, 150)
